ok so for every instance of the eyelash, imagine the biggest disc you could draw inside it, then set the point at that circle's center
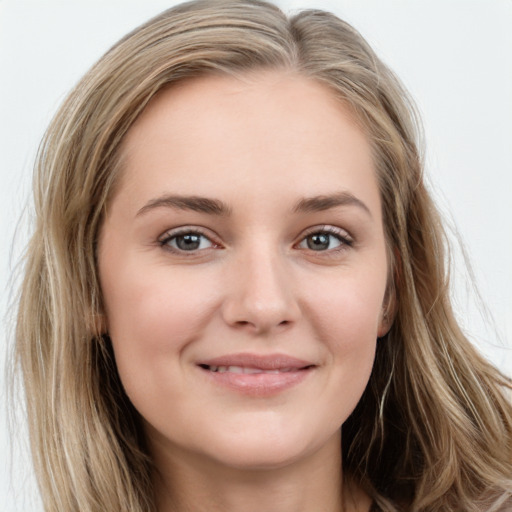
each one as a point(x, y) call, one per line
point(341, 235)
point(173, 235)
point(346, 241)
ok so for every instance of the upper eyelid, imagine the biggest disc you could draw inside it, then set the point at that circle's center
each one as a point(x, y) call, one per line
point(180, 230)
point(164, 241)
point(346, 240)
point(183, 230)
point(327, 228)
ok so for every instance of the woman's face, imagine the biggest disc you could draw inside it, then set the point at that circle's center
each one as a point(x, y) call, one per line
point(243, 268)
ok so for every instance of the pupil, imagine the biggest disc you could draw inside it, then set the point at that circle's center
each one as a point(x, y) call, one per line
point(188, 242)
point(318, 242)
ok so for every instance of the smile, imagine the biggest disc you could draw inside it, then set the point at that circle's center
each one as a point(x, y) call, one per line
point(256, 375)
point(246, 370)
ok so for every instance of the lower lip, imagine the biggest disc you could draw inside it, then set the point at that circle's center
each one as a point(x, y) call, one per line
point(258, 384)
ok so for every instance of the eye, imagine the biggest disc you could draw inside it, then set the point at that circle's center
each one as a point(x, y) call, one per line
point(326, 239)
point(186, 241)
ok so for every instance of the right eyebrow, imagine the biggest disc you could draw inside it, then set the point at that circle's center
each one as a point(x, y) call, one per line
point(194, 203)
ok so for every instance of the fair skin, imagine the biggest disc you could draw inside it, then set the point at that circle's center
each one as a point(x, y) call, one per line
point(244, 323)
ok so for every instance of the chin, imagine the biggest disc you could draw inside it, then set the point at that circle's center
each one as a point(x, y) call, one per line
point(269, 448)
point(258, 457)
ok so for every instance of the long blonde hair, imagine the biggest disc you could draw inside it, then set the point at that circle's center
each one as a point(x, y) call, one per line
point(433, 430)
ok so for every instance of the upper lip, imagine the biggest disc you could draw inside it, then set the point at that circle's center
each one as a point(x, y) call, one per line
point(262, 362)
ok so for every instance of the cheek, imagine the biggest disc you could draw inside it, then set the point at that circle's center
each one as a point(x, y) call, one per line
point(347, 320)
point(152, 317)
point(348, 312)
point(351, 334)
point(152, 303)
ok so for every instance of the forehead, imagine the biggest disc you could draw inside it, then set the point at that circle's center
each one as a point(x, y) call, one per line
point(271, 130)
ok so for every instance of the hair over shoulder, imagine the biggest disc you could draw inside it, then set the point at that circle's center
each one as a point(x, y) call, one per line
point(433, 430)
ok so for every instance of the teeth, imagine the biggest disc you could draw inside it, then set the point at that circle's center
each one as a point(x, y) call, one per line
point(253, 370)
point(240, 369)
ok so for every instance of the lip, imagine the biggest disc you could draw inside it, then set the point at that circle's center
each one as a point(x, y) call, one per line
point(262, 362)
point(268, 374)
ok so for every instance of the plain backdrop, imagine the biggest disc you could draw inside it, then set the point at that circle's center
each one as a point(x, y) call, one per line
point(455, 57)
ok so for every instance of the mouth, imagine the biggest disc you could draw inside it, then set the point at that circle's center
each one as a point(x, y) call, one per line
point(256, 375)
point(250, 370)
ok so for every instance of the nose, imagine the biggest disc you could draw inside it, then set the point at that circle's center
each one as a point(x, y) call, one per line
point(260, 294)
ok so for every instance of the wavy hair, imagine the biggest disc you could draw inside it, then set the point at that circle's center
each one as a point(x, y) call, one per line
point(433, 430)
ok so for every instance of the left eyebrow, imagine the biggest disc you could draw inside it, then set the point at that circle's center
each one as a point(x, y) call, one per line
point(325, 202)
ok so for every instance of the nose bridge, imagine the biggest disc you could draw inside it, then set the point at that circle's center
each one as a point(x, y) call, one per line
point(261, 292)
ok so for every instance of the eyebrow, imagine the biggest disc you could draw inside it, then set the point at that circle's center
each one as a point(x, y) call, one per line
point(217, 207)
point(194, 203)
point(326, 202)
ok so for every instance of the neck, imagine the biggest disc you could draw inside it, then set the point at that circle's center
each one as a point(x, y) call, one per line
point(193, 483)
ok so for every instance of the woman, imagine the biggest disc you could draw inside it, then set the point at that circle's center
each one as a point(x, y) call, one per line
point(235, 257)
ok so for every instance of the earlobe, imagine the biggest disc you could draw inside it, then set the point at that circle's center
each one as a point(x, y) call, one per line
point(388, 313)
point(98, 324)
point(385, 323)
point(389, 304)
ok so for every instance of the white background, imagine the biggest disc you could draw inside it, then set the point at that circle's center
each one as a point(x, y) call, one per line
point(455, 56)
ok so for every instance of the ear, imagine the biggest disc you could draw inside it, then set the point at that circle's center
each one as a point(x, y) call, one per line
point(97, 323)
point(390, 302)
point(388, 312)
